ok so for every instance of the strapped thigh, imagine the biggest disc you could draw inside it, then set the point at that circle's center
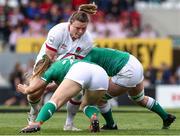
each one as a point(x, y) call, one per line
point(107, 96)
point(138, 97)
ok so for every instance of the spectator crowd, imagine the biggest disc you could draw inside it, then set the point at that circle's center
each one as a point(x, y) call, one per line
point(34, 18)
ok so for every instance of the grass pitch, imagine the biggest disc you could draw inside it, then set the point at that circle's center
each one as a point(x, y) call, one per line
point(130, 120)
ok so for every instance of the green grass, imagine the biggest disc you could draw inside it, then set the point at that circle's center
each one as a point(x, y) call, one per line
point(130, 120)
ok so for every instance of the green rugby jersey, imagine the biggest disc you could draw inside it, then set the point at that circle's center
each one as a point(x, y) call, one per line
point(109, 59)
point(57, 71)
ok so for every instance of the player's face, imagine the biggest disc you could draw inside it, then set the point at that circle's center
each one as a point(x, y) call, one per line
point(77, 29)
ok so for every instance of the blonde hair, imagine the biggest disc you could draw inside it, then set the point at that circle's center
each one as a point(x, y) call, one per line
point(82, 13)
point(42, 66)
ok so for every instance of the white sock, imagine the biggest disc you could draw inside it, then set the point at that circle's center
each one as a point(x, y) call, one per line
point(150, 103)
point(105, 108)
point(72, 109)
point(34, 107)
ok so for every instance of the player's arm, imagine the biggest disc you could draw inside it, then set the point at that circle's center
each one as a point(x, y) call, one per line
point(53, 41)
point(52, 54)
point(35, 85)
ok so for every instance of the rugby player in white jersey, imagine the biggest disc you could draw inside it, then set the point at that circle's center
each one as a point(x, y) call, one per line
point(69, 39)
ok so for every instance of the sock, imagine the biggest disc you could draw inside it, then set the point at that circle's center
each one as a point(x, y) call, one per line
point(46, 112)
point(107, 114)
point(72, 109)
point(154, 106)
point(89, 111)
point(34, 107)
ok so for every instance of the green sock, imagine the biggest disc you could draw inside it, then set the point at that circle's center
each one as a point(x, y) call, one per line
point(89, 111)
point(159, 110)
point(108, 117)
point(46, 112)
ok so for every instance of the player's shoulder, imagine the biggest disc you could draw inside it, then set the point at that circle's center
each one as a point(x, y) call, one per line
point(61, 26)
point(87, 36)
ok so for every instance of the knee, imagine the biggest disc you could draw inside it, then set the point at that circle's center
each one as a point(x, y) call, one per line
point(146, 101)
point(143, 102)
point(139, 99)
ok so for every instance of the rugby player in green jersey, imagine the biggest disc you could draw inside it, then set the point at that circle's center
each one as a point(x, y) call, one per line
point(126, 74)
point(72, 76)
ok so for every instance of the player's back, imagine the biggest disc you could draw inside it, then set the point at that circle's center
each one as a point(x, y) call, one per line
point(111, 60)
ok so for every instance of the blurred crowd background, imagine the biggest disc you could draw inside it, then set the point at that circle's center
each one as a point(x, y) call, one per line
point(114, 19)
point(26, 18)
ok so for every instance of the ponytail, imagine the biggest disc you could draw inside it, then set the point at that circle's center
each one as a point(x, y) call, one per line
point(88, 8)
point(83, 12)
point(42, 66)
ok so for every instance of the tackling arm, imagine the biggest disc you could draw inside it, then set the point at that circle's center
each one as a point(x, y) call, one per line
point(51, 54)
point(34, 86)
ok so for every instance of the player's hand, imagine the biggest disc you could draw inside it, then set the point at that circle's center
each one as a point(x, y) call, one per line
point(21, 88)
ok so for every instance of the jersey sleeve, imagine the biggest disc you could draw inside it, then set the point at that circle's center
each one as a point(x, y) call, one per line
point(54, 38)
point(48, 75)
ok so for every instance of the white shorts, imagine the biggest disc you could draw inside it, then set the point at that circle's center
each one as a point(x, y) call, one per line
point(90, 76)
point(130, 75)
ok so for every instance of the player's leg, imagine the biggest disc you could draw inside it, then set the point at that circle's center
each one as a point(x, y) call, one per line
point(97, 86)
point(134, 84)
point(34, 103)
point(92, 113)
point(128, 76)
point(137, 95)
point(90, 99)
point(63, 93)
point(136, 92)
point(72, 108)
point(105, 108)
point(106, 112)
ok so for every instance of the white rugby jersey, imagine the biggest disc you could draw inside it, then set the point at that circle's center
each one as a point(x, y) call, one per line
point(60, 41)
